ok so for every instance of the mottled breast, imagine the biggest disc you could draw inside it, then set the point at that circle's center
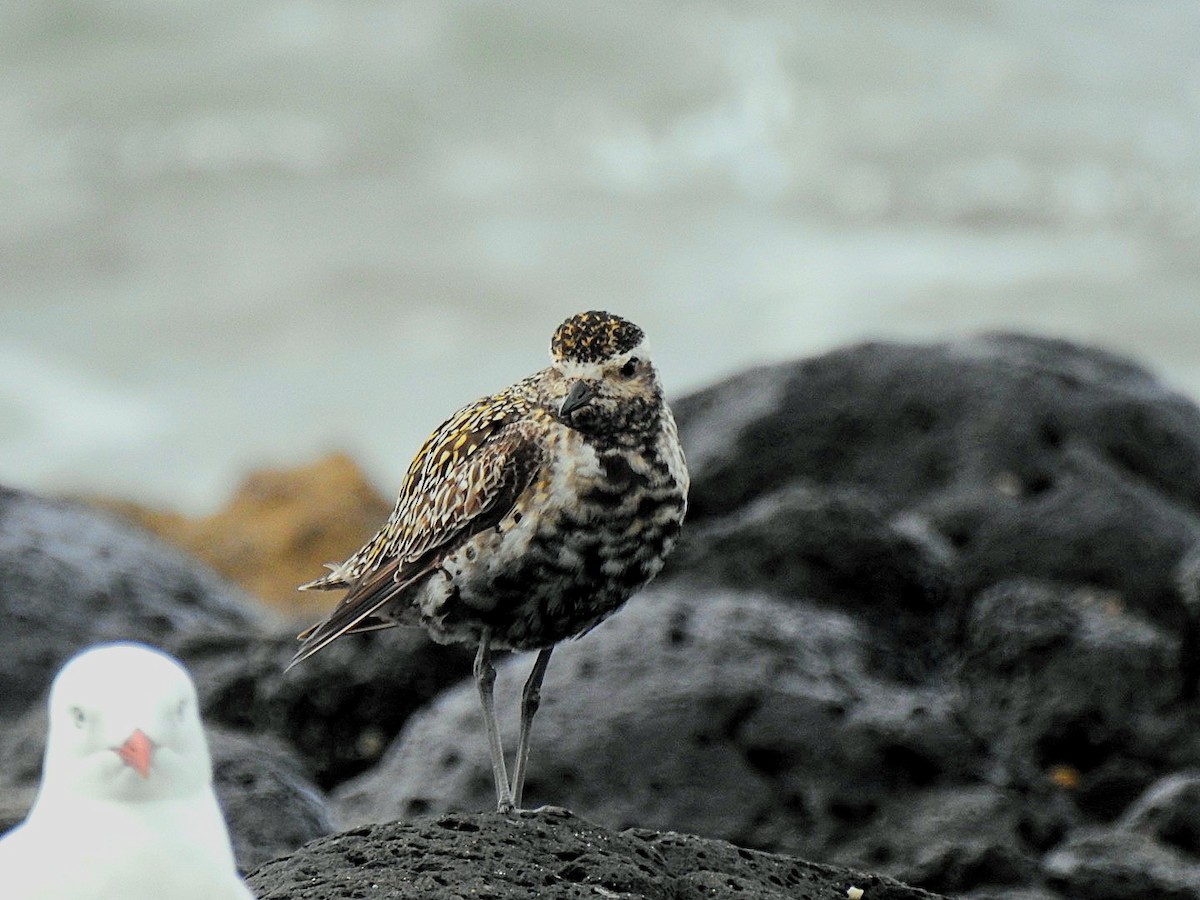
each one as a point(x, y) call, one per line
point(593, 527)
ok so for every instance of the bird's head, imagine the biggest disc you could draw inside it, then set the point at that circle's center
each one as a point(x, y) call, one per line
point(602, 379)
point(124, 725)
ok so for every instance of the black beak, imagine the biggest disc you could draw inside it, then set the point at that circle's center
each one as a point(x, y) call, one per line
point(580, 394)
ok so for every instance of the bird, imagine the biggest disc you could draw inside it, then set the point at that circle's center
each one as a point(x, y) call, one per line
point(125, 807)
point(528, 517)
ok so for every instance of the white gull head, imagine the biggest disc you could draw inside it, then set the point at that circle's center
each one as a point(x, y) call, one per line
point(126, 806)
point(124, 726)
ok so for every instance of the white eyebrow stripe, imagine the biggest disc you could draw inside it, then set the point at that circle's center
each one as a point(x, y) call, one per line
point(573, 368)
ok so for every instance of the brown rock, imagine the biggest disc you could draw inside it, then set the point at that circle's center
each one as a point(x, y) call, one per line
point(278, 530)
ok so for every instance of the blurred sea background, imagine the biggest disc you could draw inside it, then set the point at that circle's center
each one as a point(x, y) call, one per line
point(237, 233)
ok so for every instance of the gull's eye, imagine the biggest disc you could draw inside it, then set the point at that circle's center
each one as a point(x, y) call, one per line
point(78, 716)
point(630, 368)
point(181, 709)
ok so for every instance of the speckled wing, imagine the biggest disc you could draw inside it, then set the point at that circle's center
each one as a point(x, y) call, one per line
point(466, 478)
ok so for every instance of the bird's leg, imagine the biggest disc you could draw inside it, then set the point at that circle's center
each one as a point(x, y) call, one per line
point(485, 679)
point(530, 698)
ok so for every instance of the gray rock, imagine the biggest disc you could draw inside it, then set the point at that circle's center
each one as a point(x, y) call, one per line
point(1119, 864)
point(71, 577)
point(339, 709)
point(1062, 676)
point(1003, 892)
point(905, 420)
point(1169, 811)
point(935, 612)
point(269, 804)
point(947, 839)
point(15, 802)
point(836, 547)
point(1019, 456)
point(552, 854)
point(728, 715)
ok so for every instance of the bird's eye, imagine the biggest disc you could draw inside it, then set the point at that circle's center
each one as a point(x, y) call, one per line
point(630, 368)
point(78, 716)
point(181, 709)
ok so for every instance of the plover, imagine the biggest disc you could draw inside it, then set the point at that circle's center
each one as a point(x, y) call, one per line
point(527, 517)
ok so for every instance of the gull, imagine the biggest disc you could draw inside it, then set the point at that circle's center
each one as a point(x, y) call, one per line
point(125, 809)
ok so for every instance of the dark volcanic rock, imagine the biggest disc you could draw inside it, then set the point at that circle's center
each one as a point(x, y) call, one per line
point(1020, 456)
point(905, 420)
point(71, 577)
point(948, 839)
point(548, 853)
point(935, 611)
point(1170, 812)
point(270, 806)
point(1059, 676)
point(1118, 864)
point(838, 548)
point(1012, 893)
point(339, 709)
point(747, 718)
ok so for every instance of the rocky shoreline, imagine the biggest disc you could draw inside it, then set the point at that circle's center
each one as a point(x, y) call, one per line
point(935, 615)
point(549, 853)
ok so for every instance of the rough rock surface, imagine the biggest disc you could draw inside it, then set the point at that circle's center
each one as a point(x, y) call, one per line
point(548, 853)
point(838, 548)
point(71, 576)
point(934, 613)
point(752, 719)
point(909, 420)
point(1117, 864)
point(270, 805)
point(1069, 677)
point(340, 709)
point(1169, 811)
point(1007, 455)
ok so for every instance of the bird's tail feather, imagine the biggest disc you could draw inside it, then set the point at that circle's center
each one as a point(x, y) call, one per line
point(319, 636)
point(334, 580)
point(357, 610)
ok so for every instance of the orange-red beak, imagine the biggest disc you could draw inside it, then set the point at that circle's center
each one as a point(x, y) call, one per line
point(136, 753)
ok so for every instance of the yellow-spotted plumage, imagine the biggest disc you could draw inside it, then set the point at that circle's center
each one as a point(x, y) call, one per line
point(529, 516)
